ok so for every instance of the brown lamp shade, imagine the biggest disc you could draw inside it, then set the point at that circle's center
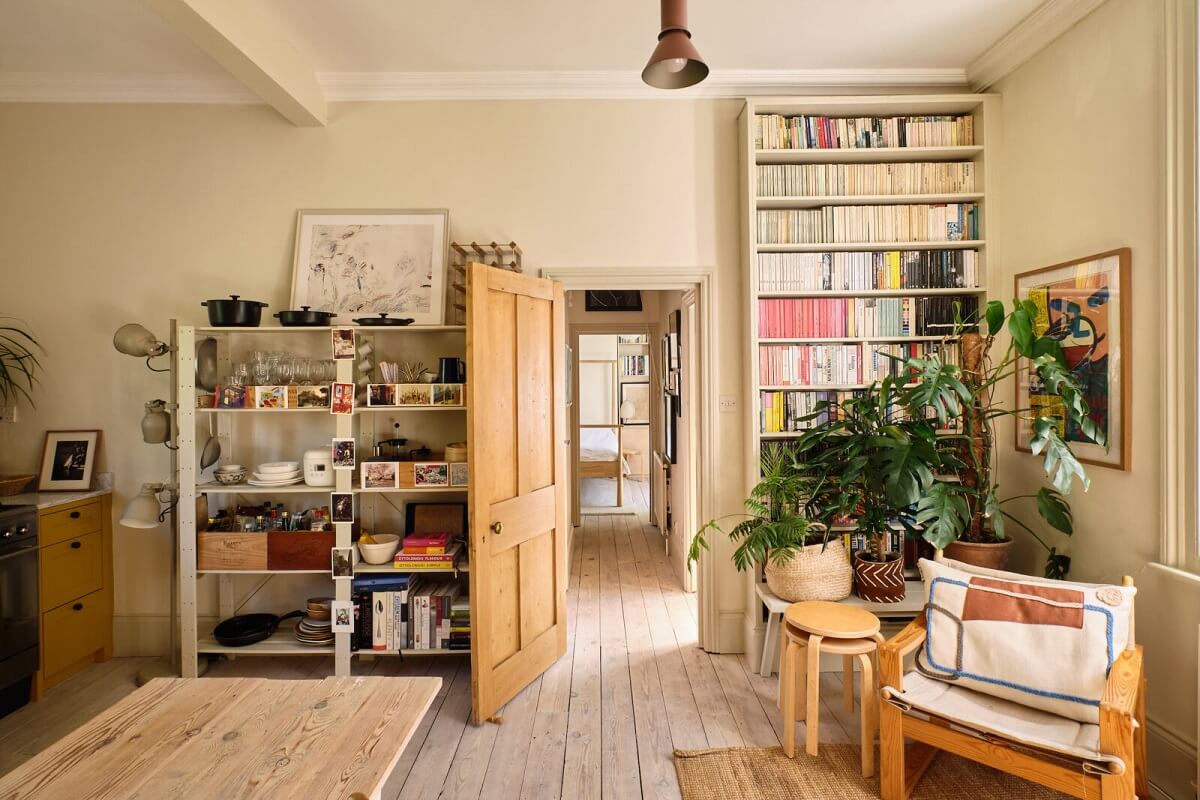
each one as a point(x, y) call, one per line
point(675, 63)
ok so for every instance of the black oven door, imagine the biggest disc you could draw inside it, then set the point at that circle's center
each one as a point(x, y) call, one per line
point(18, 612)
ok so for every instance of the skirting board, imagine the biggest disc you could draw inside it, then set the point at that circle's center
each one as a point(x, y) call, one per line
point(1172, 764)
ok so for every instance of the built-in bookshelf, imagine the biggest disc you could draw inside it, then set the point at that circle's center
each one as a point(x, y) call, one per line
point(865, 222)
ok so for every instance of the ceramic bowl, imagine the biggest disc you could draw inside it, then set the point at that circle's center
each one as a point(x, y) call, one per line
point(231, 468)
point(385, 547)
point(278, 466)
point(230, 478)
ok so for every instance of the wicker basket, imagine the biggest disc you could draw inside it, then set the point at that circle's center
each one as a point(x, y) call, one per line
point(816, 572)
point(456, 452)
point(13, 484)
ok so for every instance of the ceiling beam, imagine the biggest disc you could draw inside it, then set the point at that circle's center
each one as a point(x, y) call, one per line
point(235, 34)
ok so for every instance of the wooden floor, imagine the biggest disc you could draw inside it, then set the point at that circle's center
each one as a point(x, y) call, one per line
point(601, 723)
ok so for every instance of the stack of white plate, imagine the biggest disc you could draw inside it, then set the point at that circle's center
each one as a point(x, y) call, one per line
point(277, 473)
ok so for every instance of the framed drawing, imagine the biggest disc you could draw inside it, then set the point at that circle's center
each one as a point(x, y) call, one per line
point(1085, 305)
point(637, 395)
point(366, 262)
point(68, 461)
point(612, 300)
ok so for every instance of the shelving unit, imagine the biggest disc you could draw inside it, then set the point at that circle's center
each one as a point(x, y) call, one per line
point(250, 436)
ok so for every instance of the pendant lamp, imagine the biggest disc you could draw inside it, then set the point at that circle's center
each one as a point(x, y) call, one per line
point(675, 63)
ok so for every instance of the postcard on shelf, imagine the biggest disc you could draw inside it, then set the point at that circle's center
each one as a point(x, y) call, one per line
point(381, 475)
point(343, 398)
point(447, 394)
point(381, 394)
point(308, 397)
point(414, 394)
point(434, 474)
point(342, 505)
point(270, 397)
point(458, 473)
point(231, 397)
point(343, 343)
point(343, 616)
point(343, 453)
point(342, 562)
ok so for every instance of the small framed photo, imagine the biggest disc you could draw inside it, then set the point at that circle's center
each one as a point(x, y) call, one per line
point(342, 616)
point(343, 454)
point(435, 474)
point(447, 394)
point(341, 505)
point(459, 473)
point(312, 396)
point(68, 461)
point(343, 343)
point(342, 398)
point(231, 397)
point(381, 475)
point(414, 394)
point(342, 562)
point(381, 394)
point(270, 396)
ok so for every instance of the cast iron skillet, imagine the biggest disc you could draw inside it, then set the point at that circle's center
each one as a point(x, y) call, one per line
point(305, 317)
point(247, 629)
point(384, 319)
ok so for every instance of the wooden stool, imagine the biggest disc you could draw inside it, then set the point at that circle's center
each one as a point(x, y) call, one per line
point(817, 627)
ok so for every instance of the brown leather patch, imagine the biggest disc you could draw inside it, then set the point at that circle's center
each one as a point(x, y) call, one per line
point(990, 606)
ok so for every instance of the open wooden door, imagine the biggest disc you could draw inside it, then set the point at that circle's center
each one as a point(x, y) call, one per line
point(516, 430)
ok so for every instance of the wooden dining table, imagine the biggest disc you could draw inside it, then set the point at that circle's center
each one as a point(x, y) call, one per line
point(229, 738)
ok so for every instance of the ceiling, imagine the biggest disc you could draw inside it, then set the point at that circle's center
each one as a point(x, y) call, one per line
point(779, 44)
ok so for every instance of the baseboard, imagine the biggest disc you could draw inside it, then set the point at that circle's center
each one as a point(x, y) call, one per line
point(137, 635)
point(1172, 762)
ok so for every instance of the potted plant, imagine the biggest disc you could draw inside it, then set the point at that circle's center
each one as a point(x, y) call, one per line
point(870, 458)
point(19, 366)
point(799, 560)
point(967, 516)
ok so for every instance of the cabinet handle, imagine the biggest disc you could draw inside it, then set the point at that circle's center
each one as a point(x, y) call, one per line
point(76, 545)
point(78, 606)
point(74, 515)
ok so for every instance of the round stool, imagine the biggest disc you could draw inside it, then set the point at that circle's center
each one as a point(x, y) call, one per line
point(816, 627)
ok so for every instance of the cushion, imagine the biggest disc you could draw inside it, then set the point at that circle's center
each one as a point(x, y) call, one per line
point(1041, 643)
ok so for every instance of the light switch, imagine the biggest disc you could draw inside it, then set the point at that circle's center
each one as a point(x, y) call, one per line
point(728, 403)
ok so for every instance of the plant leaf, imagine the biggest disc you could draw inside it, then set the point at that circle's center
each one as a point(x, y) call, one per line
point(943, 513)
point(1020, 326)
point(995, 316)
point(1055, 509)
point(1057, 458)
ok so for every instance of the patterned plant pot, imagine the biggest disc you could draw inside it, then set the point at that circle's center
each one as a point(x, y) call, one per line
point(815, 572)
point(990, 555)
point(878, 582)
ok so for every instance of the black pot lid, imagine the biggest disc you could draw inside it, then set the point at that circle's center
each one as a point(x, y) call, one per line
point(234, 298)
point(384, 319)
point(307, 310)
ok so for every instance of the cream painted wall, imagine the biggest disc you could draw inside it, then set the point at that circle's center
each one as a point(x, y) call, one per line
point(127, 212)
point(1083, 172)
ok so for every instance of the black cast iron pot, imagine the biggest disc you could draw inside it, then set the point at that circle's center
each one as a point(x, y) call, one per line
point(305, 317)
point(234, 313)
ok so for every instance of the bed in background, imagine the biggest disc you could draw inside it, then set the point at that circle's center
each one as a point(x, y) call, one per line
point(600, 455)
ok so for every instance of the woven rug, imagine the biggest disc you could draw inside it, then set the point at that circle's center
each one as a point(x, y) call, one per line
point(765, 773)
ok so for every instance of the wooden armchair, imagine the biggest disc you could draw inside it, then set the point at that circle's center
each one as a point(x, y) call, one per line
point(1115, 771)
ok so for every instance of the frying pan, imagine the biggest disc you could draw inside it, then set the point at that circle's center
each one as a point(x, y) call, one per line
point(246, 629)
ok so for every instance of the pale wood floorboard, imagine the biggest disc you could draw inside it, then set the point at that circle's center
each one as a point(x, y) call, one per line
point(600, 723)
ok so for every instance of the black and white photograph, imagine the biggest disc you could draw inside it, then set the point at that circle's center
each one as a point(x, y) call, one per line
point(341, 505)
point(342, 612)
point(342, 562)
point(68, 461)
point(343, 454)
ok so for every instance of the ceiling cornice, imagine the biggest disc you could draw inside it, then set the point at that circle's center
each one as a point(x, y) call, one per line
point(1052, 19)
point(50, 87)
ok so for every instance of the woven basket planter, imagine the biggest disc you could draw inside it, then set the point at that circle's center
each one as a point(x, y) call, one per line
point(816, 572)
point(879, 583)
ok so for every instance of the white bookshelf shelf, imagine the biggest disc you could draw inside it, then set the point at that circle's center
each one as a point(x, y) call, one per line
point(867, 155)
point(245, 488)
point(281, 643)
point(422, 490)
point(318, 410)
point(388, 569)
point(762, 295)
point(853, 339)
point(816, 201)
point(361, 329)
point(439, 651)
point(854, 247)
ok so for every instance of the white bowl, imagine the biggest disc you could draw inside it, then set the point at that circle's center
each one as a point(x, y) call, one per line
point(231, 468)
point(278, 466)
point(385, 547)
point(277, 476)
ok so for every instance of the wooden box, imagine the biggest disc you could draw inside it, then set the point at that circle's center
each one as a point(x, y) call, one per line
point(232, 551)
point(299, 549)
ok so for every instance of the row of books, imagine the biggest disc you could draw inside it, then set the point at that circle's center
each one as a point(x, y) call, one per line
point(868, 317)
point(635, 366)
point(888, 269)
point(808, 180)
point(791, 411)
point(843, 364)
point(410, 612)
point(813, 131)
point(921, 222)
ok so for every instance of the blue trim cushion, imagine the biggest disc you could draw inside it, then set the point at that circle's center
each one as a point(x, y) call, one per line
point(1044, 644)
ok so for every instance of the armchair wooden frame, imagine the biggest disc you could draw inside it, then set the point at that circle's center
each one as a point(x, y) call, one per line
point(1122, 734)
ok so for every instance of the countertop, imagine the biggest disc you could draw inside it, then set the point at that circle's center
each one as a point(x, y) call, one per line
point(50, 499)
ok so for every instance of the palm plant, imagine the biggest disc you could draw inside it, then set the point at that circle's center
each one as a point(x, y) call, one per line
point(18, 362)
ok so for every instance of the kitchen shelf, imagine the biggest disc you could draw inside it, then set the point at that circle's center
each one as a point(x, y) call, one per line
point(385, 569)
point(440, 651)
point(816, 201)
point(327, 328)
point(425, 490)
point(282, 642)
point(851, 247)
point(867, 155)
point(262, 572)
point(321, 410)
point(245, 488)
point(395, 409)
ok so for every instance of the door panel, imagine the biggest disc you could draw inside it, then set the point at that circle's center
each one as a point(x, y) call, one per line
point(517, 461)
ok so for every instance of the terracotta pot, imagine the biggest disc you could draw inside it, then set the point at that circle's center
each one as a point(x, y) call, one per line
point(878, 582)
point(989, 555)
point(815, 572)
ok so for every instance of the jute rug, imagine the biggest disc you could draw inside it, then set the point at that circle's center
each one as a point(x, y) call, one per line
point(765, 773)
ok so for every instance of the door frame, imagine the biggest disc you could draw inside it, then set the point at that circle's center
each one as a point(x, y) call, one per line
point(701, 280)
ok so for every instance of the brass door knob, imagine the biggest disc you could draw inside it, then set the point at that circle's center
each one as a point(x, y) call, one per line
point(497, 528)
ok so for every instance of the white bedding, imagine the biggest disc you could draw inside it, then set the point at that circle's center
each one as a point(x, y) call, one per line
point(597, 444)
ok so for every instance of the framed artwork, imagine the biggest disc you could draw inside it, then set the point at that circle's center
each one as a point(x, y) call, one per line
point(68, 461)
point(366, 262)
point(612, 300)
point(668, 428)
point(637, 394)
point(1085, 305)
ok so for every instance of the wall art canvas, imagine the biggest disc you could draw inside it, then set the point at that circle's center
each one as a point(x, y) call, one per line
point(1085, 305)
point(366, 262)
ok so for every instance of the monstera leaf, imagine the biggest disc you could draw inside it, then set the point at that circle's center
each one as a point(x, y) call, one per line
point(937, 386)
point(1055, 509)
point(1057, 459)
point(943, 513)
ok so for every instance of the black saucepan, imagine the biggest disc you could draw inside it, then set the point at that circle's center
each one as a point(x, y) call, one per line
point(246, 629)
point(305, 317)
point(234, 313)
point(384, 319)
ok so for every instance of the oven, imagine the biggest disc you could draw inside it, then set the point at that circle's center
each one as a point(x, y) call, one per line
point(18, 605)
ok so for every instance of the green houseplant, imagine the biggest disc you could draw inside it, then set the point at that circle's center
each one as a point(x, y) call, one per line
point(19, 363)
point(968, 515)
point(799, 560)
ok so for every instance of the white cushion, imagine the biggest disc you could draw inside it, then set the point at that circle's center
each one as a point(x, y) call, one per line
point(1044, 644)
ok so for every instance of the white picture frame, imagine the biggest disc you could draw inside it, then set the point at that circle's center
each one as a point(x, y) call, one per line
point(363, 262)
point(69, 461)
point(341, 616)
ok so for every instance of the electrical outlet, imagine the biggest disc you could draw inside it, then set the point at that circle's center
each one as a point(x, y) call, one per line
point(728, 403)
point(8, 413)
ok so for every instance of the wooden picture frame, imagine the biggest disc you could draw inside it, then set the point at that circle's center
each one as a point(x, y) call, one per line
point(69, 461)
point(1089, 301)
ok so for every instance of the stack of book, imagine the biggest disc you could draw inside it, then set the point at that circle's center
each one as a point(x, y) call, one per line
point(938, 222)
point(814, 131)
point(859, 271)
point(430, 605)
point(809, 180)
point(460, 624)
point(380, 611)
point(433, 552)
